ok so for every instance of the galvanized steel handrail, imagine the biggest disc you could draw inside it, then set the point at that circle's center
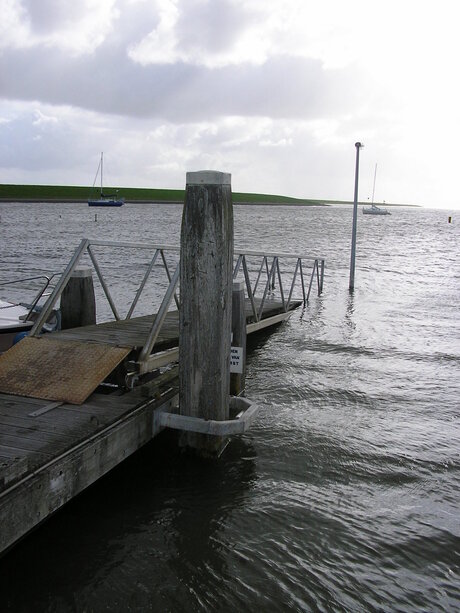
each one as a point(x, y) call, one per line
point(160, 317)
point(41, 292)
point(59, 288)
point(272, 271)
point(176, 248)
point(86, 245)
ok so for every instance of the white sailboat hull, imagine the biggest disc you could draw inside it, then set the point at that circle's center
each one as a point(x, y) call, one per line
point(375, 210)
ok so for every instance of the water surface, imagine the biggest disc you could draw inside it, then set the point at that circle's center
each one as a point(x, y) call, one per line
point(345, 494)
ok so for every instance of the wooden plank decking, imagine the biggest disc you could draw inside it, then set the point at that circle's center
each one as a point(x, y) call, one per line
point(47, 460)
point(133, 332)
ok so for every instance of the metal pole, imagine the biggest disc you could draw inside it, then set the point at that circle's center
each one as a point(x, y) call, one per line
point(351, 286)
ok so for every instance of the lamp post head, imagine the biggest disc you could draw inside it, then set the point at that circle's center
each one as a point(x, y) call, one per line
point(358, 145)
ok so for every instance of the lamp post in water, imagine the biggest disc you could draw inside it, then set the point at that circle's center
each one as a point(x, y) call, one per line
point(351, 286)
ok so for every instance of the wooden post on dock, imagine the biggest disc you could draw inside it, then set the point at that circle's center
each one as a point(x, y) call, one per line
point(78, 303)
point(205, 310)
point(238, 378)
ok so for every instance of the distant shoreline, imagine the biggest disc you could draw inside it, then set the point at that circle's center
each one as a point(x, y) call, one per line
point(326, 203)
point(74, 194)
point(67, 194)
point(133, 201)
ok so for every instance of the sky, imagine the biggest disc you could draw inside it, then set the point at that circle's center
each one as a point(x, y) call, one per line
point(275, 92)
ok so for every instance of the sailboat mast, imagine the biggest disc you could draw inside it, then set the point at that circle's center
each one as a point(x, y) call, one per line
point(373, 188)
point(102, 168)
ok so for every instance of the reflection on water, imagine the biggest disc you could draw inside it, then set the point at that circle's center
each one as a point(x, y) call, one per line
point(344, 495)
point(152, 526)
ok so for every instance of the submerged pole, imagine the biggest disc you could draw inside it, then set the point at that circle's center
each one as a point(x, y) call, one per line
point(351, 286)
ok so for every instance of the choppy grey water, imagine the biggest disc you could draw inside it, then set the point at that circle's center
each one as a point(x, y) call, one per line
point(345, 494)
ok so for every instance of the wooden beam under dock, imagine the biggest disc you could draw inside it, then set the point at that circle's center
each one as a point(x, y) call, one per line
point(47, 460)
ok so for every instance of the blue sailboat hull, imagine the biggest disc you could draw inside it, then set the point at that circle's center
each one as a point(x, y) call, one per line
point(106, 202)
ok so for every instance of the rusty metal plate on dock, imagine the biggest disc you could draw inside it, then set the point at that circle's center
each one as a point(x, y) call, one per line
point(65, 371)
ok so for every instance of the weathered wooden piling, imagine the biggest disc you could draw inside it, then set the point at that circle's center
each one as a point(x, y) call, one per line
point(78, 303)
point(206, 297)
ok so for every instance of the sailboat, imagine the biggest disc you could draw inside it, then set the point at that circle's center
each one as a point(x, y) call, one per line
point(373, 209)
point(105, 199)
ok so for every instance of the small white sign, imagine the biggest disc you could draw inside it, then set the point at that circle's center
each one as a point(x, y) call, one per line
point(236, 360)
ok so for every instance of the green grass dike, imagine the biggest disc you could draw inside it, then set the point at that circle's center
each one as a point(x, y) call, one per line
point(67, 193)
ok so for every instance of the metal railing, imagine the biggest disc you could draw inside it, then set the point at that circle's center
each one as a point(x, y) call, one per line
point(268, 267)
point(22, 282)
point(87, 246)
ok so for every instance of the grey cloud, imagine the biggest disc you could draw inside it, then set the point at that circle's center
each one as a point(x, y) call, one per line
point(67, 151)
point(47, 15)
point(24, 144)
point(212, 26)
point(108, 81)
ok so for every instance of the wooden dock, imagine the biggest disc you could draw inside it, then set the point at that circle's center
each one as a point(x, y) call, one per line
point(49, 454)
point(51, 451)
point(133, 332)
point(75, 403)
